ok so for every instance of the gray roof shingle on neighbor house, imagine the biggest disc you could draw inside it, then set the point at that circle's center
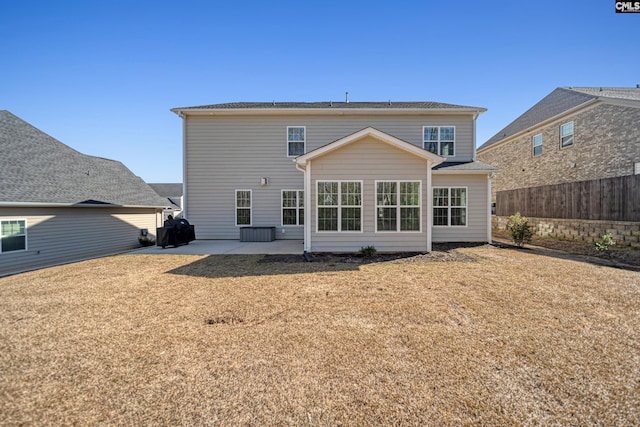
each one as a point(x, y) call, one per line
point(37, 168)
point(464, 167)
point(169, 191)
point(326, 105)
point(557, 102)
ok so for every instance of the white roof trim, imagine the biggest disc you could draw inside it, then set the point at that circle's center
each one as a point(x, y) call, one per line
point(182, 112)
point(374, 133)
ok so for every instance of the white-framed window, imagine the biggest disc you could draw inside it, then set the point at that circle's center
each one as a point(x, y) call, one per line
point(296, 140)
point(292, 207)
point(536, 141)
point(440, 140)
point(398, 206)
point(450, 206)
point(243, 207)
point(339, 206)
point(566, 135)
point(13, 235)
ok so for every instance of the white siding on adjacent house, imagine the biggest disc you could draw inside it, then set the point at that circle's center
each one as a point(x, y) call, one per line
point(61, 235)
point(225, 153)
point(477, 208)
point(368, 160)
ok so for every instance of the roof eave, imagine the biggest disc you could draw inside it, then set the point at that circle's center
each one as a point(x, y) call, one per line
point(568, 112)
point(75, 205)
point(182, 112)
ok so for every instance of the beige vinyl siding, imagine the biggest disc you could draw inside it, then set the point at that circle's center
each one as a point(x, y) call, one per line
point(61, 235)
point(368, 160)
point(477, 209)
point(226, 153)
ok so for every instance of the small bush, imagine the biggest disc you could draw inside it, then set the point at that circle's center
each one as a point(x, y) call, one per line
point(603, 245)
point(368, 251)
point(145, 241)
point(519, 229)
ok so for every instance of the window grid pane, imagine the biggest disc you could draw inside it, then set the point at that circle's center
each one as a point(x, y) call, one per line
point(243, 216)
point(387, 219)
point(409, 219)
point(289, 217)
point(440, 197)
point(386, 194)
point(327, 219)
point(351, 219)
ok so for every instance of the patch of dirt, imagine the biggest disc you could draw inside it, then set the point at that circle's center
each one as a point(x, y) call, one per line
point(441, 252)
point(615, 255)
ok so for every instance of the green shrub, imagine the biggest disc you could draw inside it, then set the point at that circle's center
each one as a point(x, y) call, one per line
point(605, 243)
point(520, 230)
point(145, 241)
point(368, 251)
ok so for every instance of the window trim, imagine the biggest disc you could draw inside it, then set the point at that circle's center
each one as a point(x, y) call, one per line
point(449, 207)
point(26, 234)
point(573, 135)
point(533, 145)
point(299, 198)
point(439, 140)
point(304, 149)
point(339, 206)
point(235, 214)
point(398, 206)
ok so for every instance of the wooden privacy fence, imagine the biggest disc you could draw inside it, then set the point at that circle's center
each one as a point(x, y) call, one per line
point(608, 199)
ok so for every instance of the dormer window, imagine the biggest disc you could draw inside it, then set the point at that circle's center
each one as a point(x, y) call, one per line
point(440, 140)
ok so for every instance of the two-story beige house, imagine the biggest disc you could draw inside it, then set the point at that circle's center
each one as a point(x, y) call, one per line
point(339, 175)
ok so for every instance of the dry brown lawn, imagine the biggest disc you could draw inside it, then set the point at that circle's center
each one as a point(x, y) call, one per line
point(509, 338)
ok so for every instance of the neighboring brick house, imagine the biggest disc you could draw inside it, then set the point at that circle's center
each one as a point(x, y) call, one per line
point(573, 134)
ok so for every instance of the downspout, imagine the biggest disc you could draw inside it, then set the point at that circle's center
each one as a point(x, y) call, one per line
point(307, 204)
point(489, 208)
point(428, 207)
point(184, 165)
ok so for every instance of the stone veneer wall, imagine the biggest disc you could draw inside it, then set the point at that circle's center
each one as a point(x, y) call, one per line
point(624, 233)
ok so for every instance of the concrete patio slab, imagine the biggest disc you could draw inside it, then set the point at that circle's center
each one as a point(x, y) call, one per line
point(218, 247)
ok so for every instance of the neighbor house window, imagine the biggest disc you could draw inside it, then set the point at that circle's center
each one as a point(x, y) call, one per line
point(439, 139)
point(566, 135)
point(296, 139)
point(243, 207)
point(339, 206)
point(398, 206)
point(537, 144)
point(449, 206)
point(13, 235)
point(292, 207)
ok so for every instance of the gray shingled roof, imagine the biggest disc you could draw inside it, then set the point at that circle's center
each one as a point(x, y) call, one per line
point(36, 168)
point(169, 191)
point(330, 105)
point(464, 166)
point(557, 102)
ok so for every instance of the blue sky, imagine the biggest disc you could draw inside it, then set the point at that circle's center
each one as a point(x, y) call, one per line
point(101, 76)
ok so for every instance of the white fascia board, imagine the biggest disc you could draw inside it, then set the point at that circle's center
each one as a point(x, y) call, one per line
point(324, 111)
point(374, 133)
point(463, 172)
point(72, 205)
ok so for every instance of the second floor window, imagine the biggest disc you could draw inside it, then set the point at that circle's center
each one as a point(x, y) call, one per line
point(440, 139)
point(537, 144)
point(296, 140)
point(566, 135)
